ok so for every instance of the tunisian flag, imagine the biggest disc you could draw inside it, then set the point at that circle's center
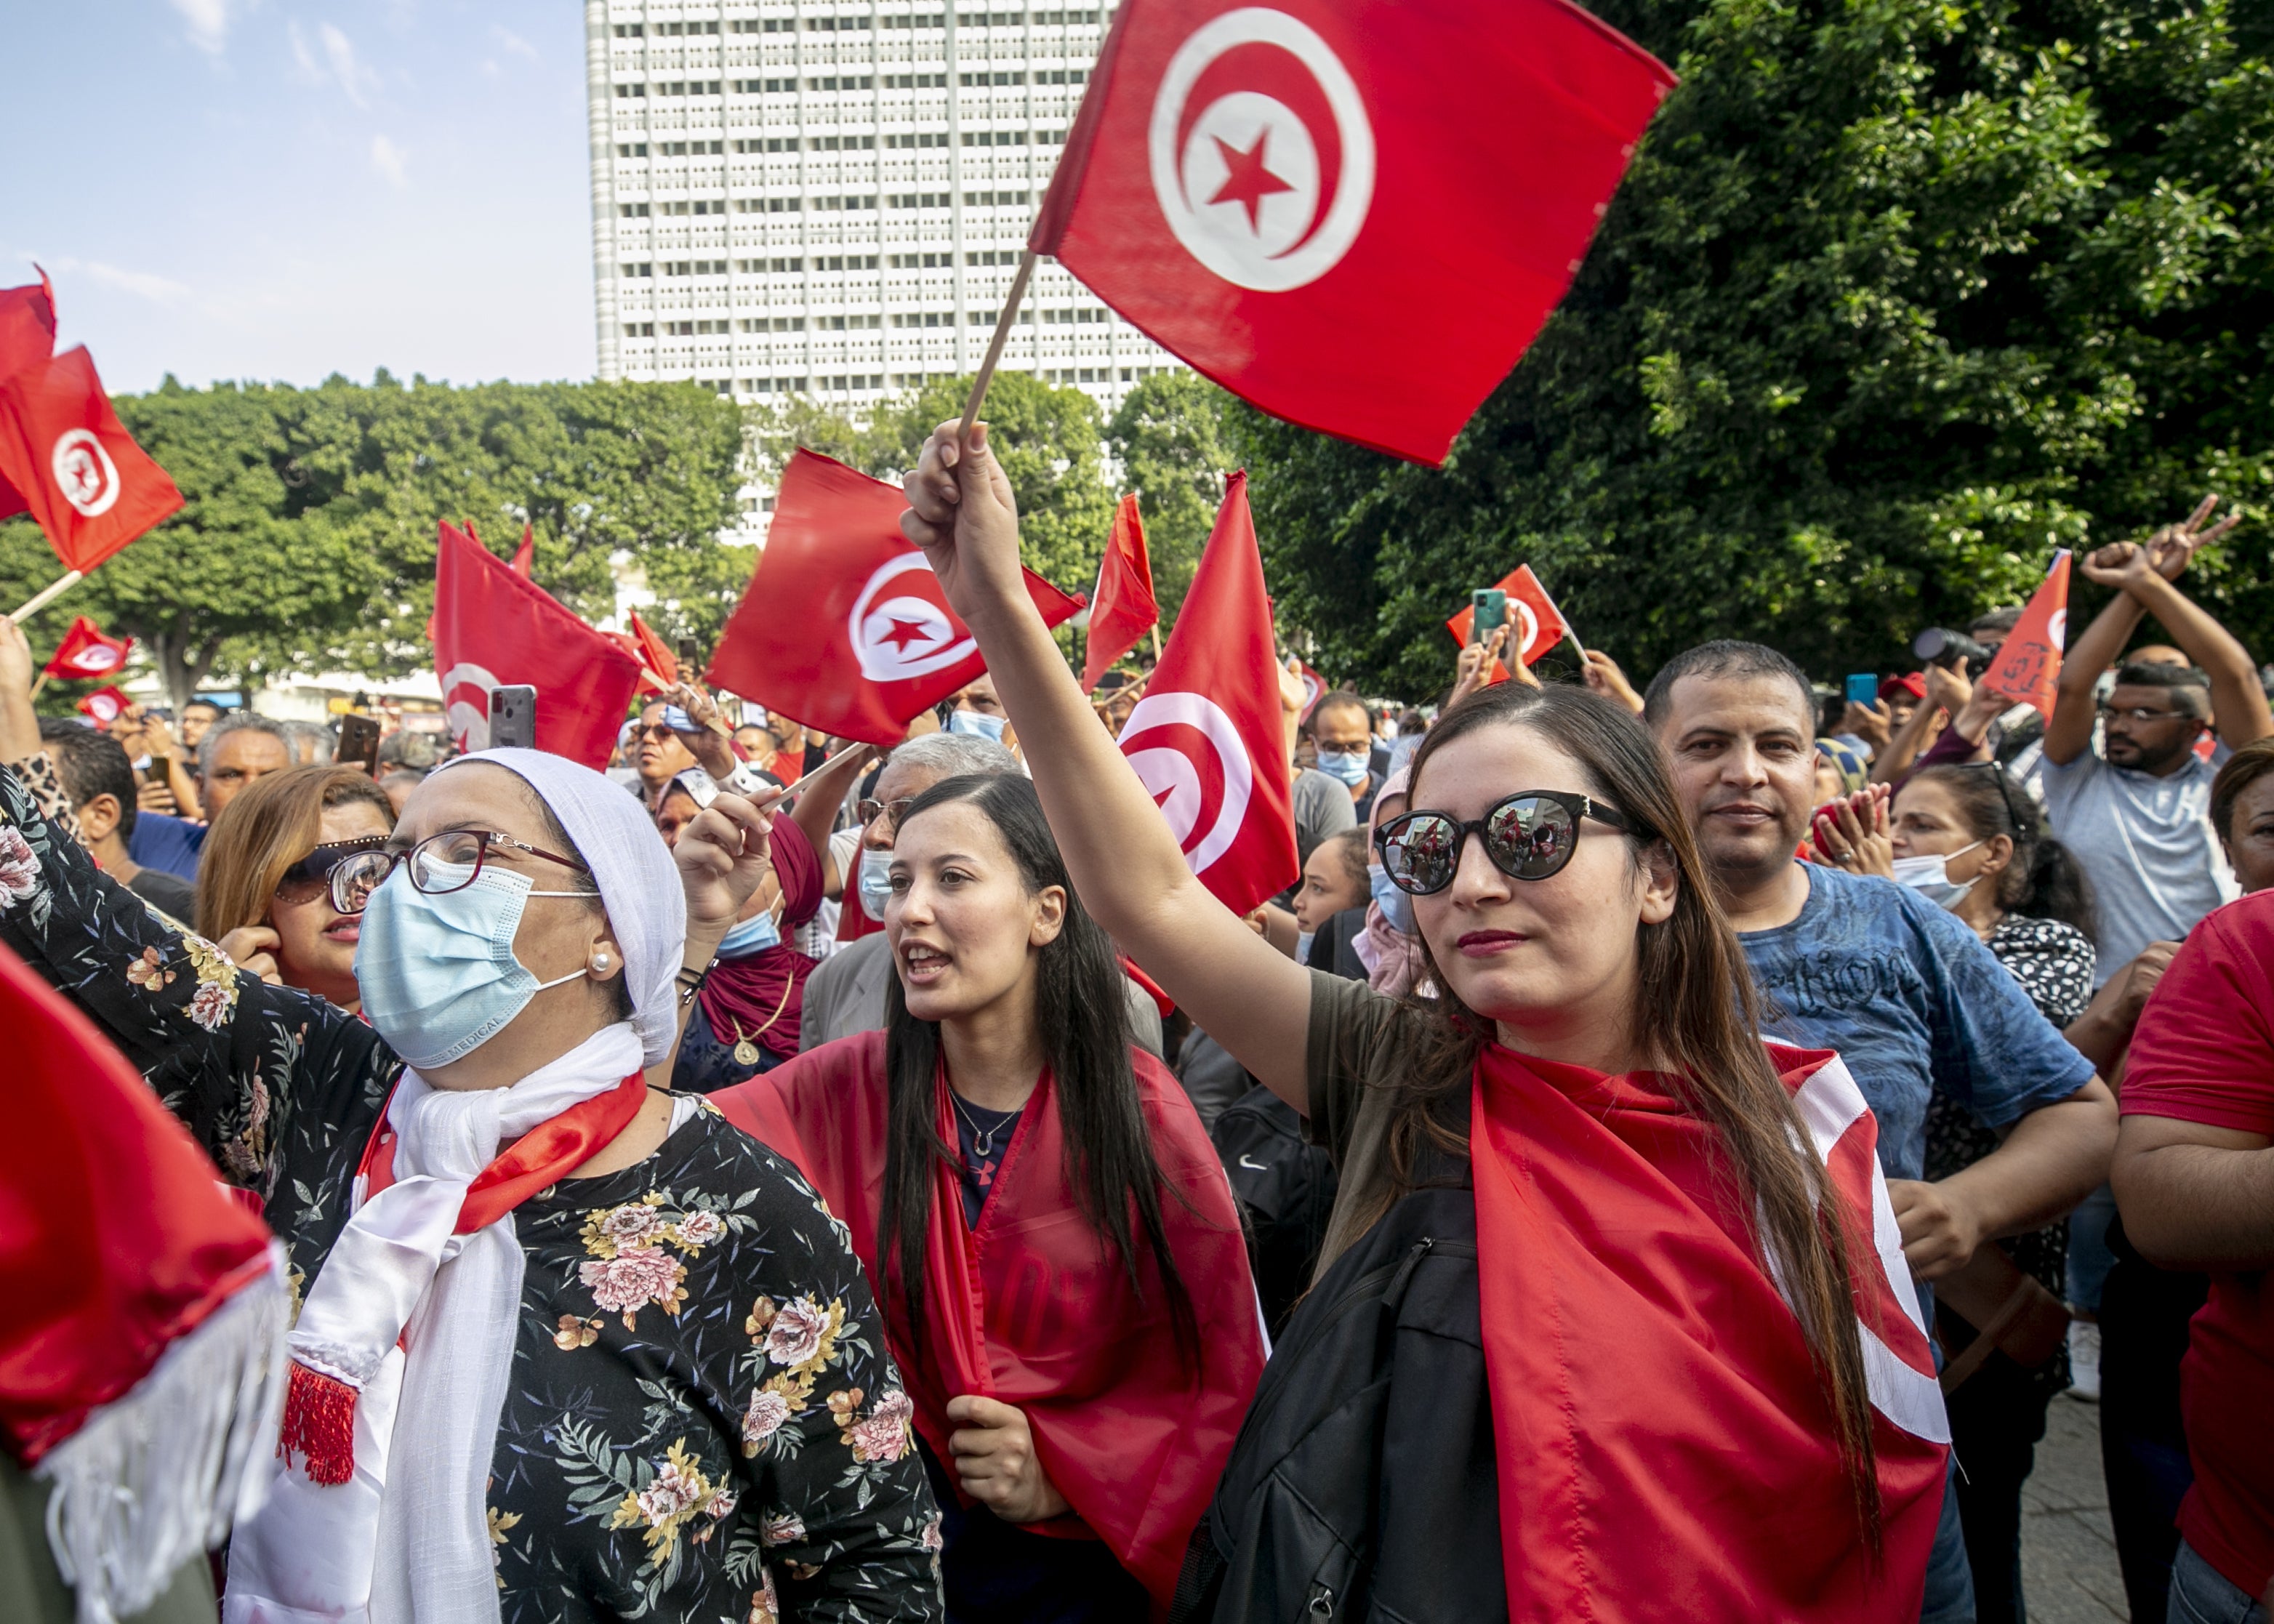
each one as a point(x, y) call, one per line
point(844, 626)
point(1031, 1309)
point(1538, 624)
point(1207, 739)
point(524, 556)
point(1124, 609)
point(2027, 666)
point(105, 706)
point(1354, 212)
point(85, 652)
point(28, 335)
point(77, 469)
point(492, 629)
point(1671, 1439)
point(654, 654)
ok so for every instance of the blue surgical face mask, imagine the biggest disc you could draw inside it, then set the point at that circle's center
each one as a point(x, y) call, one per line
point(749, 935)
point(1303, 939)
point(978, 724)
point(438, 974)
point(1395, 905)
point(1349, 769)
point(1929, 877)
point(875, 881)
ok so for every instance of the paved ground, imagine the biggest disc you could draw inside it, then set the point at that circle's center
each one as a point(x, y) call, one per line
point(2068, 1558)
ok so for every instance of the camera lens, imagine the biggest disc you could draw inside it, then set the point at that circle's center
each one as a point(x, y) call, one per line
point(1939, 645)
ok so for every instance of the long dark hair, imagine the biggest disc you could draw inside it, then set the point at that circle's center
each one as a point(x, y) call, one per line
point(1082, 1011)
point(2044, 880)
point(1704, 1016)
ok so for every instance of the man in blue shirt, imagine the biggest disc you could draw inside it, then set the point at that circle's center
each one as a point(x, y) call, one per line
point(1903, 989)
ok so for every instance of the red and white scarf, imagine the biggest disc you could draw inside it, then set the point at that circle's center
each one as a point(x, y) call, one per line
point(403, 1350)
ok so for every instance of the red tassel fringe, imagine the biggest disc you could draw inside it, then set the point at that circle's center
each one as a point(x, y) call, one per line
point(319, 1424)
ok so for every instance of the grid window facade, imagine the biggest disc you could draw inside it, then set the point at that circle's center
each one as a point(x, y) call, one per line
point(809, 196)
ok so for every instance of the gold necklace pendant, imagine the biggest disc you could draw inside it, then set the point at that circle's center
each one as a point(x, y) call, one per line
point(746, 1053)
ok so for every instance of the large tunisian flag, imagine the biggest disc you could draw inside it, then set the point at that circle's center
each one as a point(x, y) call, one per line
point(1207, 737)
point(1355, 213)
point(1672, 1440)
point(493, 628)
point(844, 626)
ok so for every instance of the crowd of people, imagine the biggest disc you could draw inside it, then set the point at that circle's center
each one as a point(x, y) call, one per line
point(1663, 1156)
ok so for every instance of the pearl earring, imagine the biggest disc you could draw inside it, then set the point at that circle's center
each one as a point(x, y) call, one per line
point(599, 961)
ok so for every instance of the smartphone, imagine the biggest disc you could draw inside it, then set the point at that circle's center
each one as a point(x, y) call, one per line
point(1489, 606)
point(1863, 687)
point(358, 742)
point(513, 716)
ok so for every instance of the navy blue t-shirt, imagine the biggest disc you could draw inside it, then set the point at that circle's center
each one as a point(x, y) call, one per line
point(170, 843)
point(984, 1136)
point(1913, 1001)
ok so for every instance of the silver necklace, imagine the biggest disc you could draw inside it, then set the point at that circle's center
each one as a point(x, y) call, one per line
point(981, 1143)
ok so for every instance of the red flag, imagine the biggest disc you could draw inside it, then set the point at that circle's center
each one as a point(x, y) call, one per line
point(1539, 625)
point(1207, 737)
point(493, 629)
point(654, 654)
point(844, 626)
point(524, 556)
point(90, 487)
point(1354, 212)
point(85, 652)
point(106, 705)
point(28, 335)
point(2027, 663)
point(1314, 688)
point(1124, 608)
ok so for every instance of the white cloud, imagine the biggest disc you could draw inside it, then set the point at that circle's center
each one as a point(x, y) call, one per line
point(309, 70)
point(513, 42)
point(143, 284)
point(356, 80)
point(390, 161)
point(208, 23)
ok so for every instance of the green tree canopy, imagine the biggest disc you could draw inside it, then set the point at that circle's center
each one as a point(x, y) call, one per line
point(307, 535)
point(1169, 438)
point(1896, 298)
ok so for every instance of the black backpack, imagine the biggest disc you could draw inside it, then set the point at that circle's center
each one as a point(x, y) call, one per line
point(1363, 1485)
point(1286, 1192)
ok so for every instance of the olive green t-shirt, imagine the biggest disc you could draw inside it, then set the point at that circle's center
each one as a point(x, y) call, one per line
point(1359, 1045)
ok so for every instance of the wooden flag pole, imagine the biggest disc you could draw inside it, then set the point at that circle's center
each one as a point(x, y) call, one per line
point(41, 683)
point(48, 595)
point(1155, 630)
point(1011, 304)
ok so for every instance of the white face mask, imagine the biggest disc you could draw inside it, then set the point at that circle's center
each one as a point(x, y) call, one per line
point(1929, 877)
point(1303, 946)
point(875, 882)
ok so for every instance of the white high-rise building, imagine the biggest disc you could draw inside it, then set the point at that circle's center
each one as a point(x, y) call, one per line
point(830, 199)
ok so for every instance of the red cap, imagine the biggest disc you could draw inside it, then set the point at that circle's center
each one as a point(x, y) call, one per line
point(1911, 682)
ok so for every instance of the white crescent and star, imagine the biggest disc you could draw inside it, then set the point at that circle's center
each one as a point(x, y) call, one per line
point(1242, 185)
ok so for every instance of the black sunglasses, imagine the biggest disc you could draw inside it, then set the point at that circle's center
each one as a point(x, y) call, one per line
point(309, 878)
point(1529, 836)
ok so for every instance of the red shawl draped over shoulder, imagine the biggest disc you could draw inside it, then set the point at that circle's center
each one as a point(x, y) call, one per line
point(1665, 1450)
point(1031, 1309)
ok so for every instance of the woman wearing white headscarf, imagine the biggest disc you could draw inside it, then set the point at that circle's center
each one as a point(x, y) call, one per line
point(568, 1346)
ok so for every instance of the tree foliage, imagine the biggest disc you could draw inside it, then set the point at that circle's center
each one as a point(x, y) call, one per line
point(1168, 436)
point(306, 540)
point(1896, 298)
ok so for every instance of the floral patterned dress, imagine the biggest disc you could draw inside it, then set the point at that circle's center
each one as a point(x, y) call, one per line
point(704, 1423)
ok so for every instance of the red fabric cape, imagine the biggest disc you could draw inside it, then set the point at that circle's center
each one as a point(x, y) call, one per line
point(116, 1236)
point(762, 994)
point(1030, 1309)
point(1665, 1448)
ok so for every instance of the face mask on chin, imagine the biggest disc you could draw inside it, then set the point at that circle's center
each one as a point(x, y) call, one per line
point(1929, 877)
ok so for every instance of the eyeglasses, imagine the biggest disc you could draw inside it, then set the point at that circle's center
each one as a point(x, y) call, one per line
point(312, 876)
point(658, 731)
point(869, 809)
point(438, 864)
point(2140, 713)
point(1529, 836)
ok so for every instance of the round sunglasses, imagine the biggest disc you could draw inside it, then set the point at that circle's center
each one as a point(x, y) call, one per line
point(1529, 836)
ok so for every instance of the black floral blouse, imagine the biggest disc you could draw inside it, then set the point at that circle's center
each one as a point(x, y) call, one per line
point(705, 1422)
point(2054, 963)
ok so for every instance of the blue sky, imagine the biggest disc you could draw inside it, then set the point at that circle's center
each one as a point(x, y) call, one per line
point(272, 190)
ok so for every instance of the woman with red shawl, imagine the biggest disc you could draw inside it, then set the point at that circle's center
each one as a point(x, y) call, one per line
point(1066, 1291)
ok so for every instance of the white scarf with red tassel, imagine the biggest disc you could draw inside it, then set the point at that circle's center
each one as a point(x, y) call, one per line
point(400, 1360)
